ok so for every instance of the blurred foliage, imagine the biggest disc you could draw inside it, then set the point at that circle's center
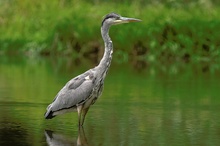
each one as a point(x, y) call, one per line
point(171, 31)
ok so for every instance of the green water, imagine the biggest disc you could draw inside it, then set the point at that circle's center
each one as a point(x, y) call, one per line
point(138, 107)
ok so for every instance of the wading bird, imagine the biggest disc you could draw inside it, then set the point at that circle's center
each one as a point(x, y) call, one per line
point(82, 91)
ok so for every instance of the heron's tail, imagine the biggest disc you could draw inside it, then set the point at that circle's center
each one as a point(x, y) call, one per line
point(49, 113)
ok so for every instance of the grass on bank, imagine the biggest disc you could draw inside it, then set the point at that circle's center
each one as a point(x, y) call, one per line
point(73, 28)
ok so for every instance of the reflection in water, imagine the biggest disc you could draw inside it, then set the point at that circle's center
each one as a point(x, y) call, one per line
point(54, 139)
point(155, 107)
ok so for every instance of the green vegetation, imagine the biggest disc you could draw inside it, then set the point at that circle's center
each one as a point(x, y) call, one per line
point(170, 31)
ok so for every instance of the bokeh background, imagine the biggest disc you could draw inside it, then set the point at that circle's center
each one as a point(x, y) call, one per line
point(162, 87)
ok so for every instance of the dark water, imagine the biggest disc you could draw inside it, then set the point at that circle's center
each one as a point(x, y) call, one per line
point(137, 108)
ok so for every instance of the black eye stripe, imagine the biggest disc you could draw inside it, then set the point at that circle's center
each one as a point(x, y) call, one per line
point(111, 15)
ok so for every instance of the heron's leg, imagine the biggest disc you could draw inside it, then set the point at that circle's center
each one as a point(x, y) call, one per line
point(84, 112)
point(81, 140)
point(79, 110)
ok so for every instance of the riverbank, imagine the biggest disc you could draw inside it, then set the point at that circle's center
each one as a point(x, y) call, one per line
point(168, 33)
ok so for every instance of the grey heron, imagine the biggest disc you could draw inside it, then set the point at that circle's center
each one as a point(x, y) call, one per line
point(82, 91)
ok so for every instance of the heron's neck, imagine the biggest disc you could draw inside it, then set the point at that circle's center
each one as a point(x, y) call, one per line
point(107, 57)
point(104, 32)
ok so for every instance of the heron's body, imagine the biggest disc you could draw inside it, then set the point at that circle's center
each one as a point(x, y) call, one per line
point(82, 91)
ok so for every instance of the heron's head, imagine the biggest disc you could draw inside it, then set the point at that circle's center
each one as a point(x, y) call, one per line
point(114, 19)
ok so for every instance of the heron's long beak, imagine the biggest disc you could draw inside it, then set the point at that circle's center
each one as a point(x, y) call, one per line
point(126, 20)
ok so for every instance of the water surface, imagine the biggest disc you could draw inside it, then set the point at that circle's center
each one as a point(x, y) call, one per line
point(138, 107)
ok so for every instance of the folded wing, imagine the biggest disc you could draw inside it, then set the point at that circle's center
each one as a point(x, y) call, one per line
point(76, 92)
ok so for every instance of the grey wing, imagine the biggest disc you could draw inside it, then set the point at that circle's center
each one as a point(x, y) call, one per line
point(74, 93)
